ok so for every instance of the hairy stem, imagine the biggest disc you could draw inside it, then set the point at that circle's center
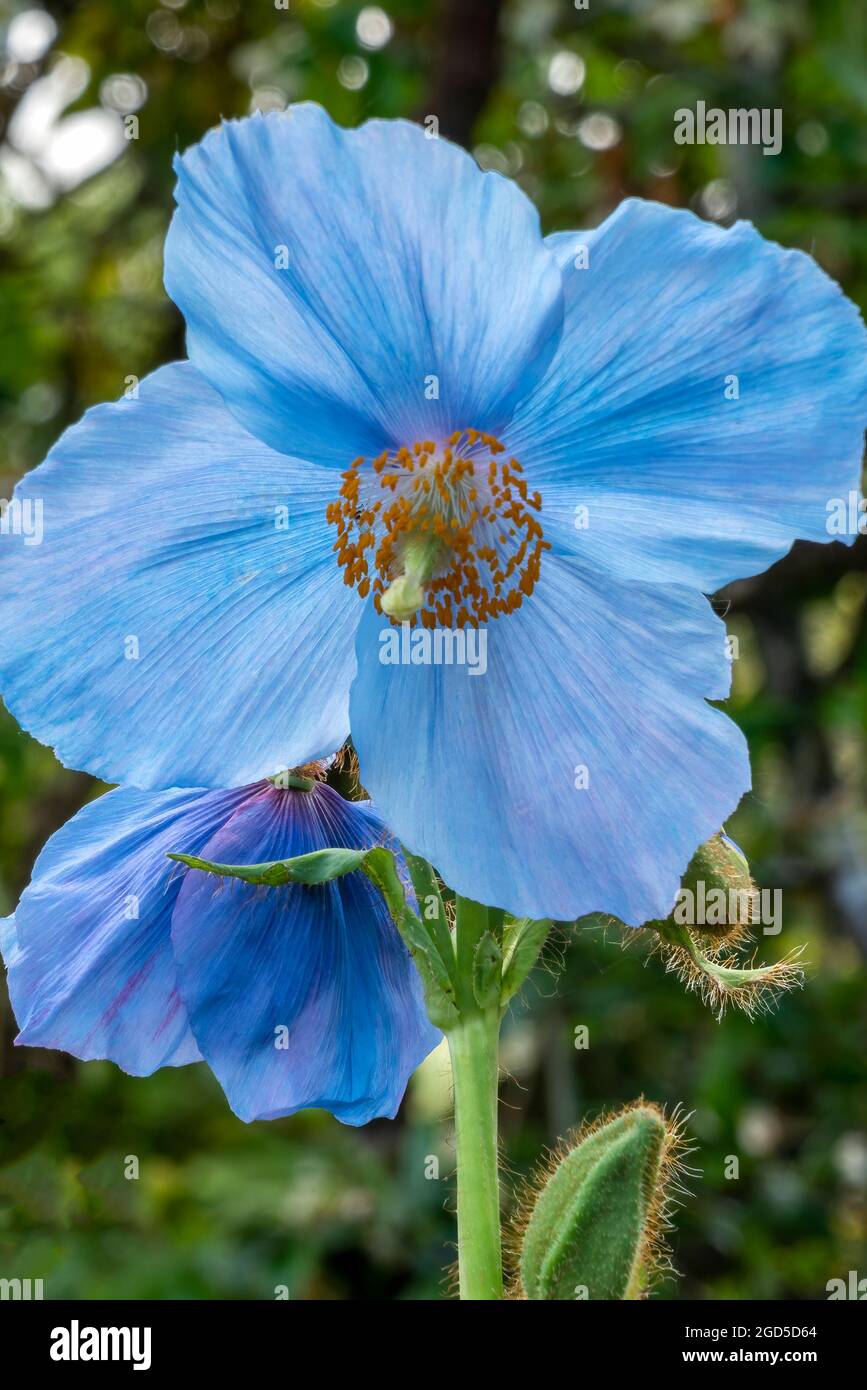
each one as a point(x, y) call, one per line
point(473, 1044)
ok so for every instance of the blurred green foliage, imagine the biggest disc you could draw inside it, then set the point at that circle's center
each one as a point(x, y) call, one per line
point(223, 1210)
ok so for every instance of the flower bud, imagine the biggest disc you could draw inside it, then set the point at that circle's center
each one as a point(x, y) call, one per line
point(719, 868)
point(701, 945)
point(593, 1228)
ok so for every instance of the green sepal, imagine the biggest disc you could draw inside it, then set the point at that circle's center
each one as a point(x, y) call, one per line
point(487, 971)
point(718, 863)
point(593, 1223)
point(523, 939)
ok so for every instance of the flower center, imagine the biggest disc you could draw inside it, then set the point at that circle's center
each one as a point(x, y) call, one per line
point(448, 533)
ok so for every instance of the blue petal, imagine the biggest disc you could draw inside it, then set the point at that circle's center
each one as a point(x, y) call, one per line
point(88, 952)
point(171, 630)
point(322, 970)
point(565, 246)
point(403, 263)
point(632, 421)
point(478, 772)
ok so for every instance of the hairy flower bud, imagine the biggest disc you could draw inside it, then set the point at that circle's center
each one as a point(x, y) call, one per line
point(592, 1225)
point(719, 868)
point(717, 903)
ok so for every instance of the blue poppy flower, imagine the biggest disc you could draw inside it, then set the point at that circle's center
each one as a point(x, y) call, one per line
point(404, 405)
point(294, 996)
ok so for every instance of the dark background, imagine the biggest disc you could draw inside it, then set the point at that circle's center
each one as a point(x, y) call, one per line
point(231, 1211)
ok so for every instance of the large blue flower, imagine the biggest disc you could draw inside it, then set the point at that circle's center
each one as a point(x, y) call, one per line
point(295, 996)
point(401, 398)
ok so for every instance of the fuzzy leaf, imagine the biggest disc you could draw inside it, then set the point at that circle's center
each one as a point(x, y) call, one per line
point(487, 971)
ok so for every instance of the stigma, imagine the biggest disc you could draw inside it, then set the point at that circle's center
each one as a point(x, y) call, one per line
point(446, 534)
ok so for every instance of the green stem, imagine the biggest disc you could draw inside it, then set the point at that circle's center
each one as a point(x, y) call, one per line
point(473, 1045)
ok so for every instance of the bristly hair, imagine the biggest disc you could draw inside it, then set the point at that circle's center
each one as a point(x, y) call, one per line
point(316, 771)
point(669, 1189)
point(754, 989)
point(344, 763)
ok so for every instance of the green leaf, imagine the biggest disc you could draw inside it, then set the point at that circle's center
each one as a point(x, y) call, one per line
point(592, 1228)
point(436, 976)
point(439, 989)
point(431, 907)
point(487, 971)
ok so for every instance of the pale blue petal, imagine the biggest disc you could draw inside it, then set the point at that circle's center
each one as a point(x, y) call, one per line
point(299, 997)
point(632, 422)
point(478, 772)
point(415, 295)
point(183, 622)
point(566, 247)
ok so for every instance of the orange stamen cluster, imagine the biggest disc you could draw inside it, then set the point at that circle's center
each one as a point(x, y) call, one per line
point(473, 508)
